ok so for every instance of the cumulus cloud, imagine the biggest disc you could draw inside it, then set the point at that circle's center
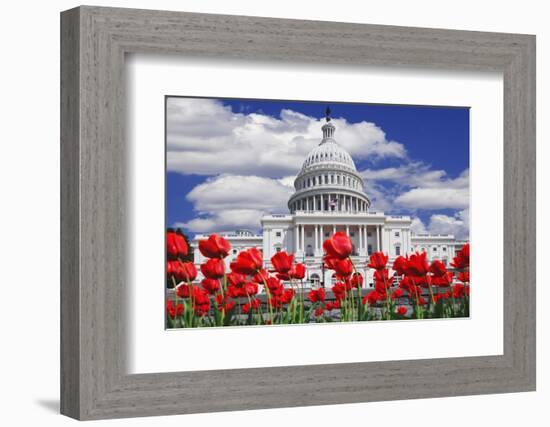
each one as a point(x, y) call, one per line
point(207, 138)
point(434, 198)
point(416, 186)
point(226, 202)
point(458, 225)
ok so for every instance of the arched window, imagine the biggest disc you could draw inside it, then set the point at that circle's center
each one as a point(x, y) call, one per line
point(314, 279)
point(309, 250)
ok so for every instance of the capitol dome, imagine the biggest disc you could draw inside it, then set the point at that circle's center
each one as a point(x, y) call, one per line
point(328, 180)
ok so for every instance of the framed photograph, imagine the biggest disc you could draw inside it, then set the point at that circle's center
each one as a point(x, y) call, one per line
point(303, 193)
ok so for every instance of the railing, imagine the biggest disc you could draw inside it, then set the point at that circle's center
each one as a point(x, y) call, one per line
point(334, 213)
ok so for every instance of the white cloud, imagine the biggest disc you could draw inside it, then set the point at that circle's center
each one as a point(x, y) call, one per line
point(434, 198)
point(205, 137)
point(418, 226)
point(420, 187)
point(458, 225)
point(227, 202)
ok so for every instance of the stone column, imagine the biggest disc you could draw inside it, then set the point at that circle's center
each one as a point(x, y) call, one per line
point(321, 236)
point(347, 229)
point(296, 228)
point(316, 239)
point(360, 240)
point(302, 238)
point(333, 228)
point(378, 238)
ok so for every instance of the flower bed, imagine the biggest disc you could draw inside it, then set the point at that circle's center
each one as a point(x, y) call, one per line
point(248, 294)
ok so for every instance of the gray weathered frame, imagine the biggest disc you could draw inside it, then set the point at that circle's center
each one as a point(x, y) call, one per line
point(94, 41)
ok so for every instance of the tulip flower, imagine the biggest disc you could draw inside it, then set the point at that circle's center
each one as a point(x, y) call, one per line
point(400, 265)
point(437, 268)
point(176, 246)
point(339, 245)
point(462, 258)
point(214, 247)
point(282, 262)
point(298, 271)
point(211, 285)
point(248, 262)
point(401, 310)
point(316, 295)
point(214, 268)
point(174, 310)
point(378, 261)
point(417, 265)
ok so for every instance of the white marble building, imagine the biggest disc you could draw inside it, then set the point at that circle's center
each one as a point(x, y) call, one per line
point(330, 197)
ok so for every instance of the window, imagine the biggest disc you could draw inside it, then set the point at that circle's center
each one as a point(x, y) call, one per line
point(397, 234)
point(444, 249)
point(278, 249)
point(397, 250)
point(369, 234)
point(234, 251)
point(352, 234)
point(369, 249)
point(326, 234)
point(434, 248)
point(314, 278)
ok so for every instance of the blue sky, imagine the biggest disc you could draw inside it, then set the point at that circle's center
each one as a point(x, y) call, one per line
point(231, 160)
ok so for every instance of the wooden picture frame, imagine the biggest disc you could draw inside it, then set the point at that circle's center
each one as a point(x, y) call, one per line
point(94, 41)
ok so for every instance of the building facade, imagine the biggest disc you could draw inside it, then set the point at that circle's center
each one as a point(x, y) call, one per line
point(330, 196)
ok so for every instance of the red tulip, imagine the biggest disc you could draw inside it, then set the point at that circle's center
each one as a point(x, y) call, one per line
point(254, 304)
point(402, 310)
point(330, 262)
point(400, 265)
point(201, 301)
point(282, 262)
point(343, 268)
point(248, 262)
point(378, 261)
point(261, 275)
point(236, 279)
point(338, 246)
point(382, 279)
point(373, 297)
point(250, 288)
point(287, 296)
point(444, 280)
point(211, 285)
point(398, 293)
point(319, 311)
point(274, 285)
point(298, 271)
point(224, 303)
point(176, 246)
point(339, 290)
point(214, 247)
point(186, 271)
point(356, 281)
point(316, 295)
point(418, 265)
point(184, 290)
point(173, 309)
point(437, 268)
point(462, 258)
point(214, 268)
point(464, 276)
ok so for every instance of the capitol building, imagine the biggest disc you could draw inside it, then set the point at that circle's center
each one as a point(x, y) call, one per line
point(330, 197)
